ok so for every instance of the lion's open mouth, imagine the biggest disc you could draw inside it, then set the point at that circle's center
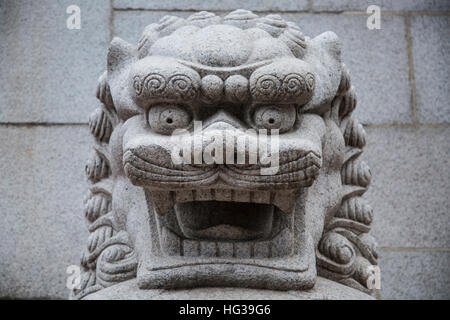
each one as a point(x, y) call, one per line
point(227, 237)
point(205, 224)
point(225, 224)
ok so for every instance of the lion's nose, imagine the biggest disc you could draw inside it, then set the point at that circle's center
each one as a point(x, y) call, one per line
point(219, 140)
point(223, 120)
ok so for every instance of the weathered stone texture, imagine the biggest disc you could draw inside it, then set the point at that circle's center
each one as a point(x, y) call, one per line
point(213, 5)
point(131, 32)
point(396, 5)
point(411, 179)
point(419, 274)
point(42, 187)
point(48, 71)
point(431, 57)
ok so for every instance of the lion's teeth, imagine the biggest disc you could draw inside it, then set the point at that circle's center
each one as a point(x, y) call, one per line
point(261, 197)
point(241, 196)
point(173, 245)
point(222, 194)
point(225, 249)
point(184, 196)
point(191, 248)
point(243, 249)
point(163, 201)
point(262, 249)
point(203, 195)
point(284, 200)
point(208, 249)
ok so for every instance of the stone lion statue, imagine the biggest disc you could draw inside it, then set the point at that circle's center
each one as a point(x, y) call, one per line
point(225, 224)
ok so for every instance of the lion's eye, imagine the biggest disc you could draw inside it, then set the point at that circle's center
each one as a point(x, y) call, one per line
point(166, 118)
point(275, 117)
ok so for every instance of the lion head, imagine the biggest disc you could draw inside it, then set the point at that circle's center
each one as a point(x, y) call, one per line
point(215, 218)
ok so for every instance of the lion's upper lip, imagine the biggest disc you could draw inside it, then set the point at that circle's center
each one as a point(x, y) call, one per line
point(142, 170)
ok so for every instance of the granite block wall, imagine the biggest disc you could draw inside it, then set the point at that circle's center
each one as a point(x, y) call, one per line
point(48, 78)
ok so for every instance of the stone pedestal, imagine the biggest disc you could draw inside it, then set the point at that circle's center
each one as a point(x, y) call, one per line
point(323, 290)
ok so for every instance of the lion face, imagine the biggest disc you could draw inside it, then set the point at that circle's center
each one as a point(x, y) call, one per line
point(217, 220)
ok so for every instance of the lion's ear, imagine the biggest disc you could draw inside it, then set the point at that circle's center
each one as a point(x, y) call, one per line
point(330, 42)
point(120, 53)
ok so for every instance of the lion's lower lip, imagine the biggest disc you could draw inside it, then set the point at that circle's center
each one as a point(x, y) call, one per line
point(227, 232)
point(278, 246)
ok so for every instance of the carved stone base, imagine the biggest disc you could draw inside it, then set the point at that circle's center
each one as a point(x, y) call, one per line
point(323, 290)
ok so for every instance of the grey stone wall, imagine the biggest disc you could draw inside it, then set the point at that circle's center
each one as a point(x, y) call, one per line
point(48, 78)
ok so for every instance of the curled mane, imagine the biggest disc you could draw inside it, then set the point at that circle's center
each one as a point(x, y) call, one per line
point(346, 250)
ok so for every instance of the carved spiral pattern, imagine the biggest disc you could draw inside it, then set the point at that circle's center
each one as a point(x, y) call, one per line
point(363, 272)
point(354, 134)
point(98, 237)
point(182, 85)
point(109, 255)
point(241, 18)
point(348, 103)
point(337, 248)
point(169, 24)
point(356, 209)
point(137, 85)
point(370, 243)
point(203, 18)
point(97, 167)
point(148, 38)
point(104, 93)
point(352, 221)
point(155, 84)
point(292, 85)
point(100, 125)
point(310, 82)
point(96, 205)
point(273, 24)
point(268, 85)
point(345, 83)
point(115, 264)
point(356, 172)
point(295, 40)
